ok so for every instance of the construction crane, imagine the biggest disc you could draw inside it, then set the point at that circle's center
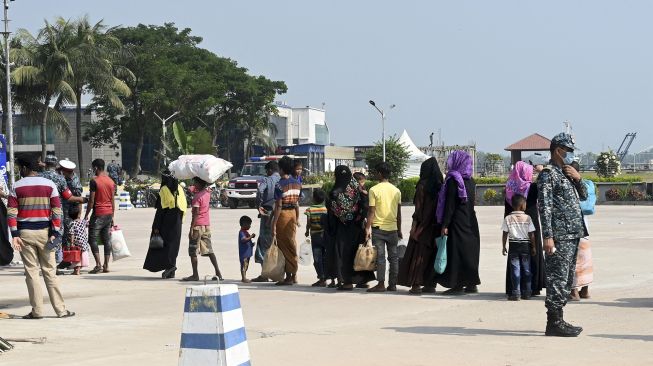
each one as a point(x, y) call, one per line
point(625, 145)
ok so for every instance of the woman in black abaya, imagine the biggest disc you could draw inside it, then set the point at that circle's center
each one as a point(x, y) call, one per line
point(170, 209)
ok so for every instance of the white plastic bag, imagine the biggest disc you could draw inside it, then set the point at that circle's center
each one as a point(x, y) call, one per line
point(401, 248)
point(206, 167)
point(306, 253)
point(119, 248)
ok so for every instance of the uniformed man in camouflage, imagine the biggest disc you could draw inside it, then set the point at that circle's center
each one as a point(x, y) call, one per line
point(50, 172)
point(560, 191)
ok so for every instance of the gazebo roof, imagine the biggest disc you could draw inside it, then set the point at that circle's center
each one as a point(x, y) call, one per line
point(534, 142)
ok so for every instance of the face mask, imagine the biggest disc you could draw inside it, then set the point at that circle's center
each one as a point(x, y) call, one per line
point(568, 158)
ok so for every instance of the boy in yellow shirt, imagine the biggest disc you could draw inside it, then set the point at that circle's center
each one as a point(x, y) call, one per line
point(384, 227)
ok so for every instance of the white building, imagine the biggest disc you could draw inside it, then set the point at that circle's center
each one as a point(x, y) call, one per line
point(306, 125)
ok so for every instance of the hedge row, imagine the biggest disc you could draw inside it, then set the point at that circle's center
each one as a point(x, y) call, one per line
point(622, 179)
point(406, 186)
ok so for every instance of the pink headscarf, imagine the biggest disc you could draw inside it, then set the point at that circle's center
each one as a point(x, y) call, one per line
point(519, 181)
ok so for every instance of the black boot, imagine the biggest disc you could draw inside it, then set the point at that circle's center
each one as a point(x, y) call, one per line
point(573, 328)
point(555, 327)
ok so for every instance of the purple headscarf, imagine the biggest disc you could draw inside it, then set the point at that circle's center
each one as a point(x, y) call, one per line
point(519, 181)
point(459, 167)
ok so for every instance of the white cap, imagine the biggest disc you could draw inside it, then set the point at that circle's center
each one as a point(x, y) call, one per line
point(67, 164)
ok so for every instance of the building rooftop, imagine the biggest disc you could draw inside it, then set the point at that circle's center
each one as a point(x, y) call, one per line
point(534, 142)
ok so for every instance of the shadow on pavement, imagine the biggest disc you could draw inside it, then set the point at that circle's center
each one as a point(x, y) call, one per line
point(465, 332)
point(119, 278)
point(625, 303)
point(634, 337)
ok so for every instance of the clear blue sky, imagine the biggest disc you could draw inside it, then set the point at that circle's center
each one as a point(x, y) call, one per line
point(484, 71)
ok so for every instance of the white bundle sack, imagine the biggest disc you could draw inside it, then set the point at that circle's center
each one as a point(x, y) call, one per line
point(206, 167)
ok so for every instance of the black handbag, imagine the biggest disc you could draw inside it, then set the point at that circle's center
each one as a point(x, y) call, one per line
point(156, 242)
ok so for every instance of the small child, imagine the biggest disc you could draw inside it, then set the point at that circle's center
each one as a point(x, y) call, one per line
point(298, 168)
point(245, 246)
point(519, 230)
point(200, 230)
point(78, 237)
point(315, 220)
point(361, 179)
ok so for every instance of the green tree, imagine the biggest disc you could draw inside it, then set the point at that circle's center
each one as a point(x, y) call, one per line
point(46, 72)
point(198, 141)
point(96, 64)
point(170, 75)
point(396, 157)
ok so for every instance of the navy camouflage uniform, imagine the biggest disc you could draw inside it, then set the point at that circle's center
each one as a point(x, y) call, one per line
point(265, 200)
point(561, 219)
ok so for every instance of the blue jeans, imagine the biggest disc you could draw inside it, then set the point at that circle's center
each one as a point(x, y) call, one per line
point(519, 258)
point(319, 255)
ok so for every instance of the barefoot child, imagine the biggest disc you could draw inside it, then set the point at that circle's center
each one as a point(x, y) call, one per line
point(245, 246)
point(78, 237)
point(519, 230)
point(200, 230)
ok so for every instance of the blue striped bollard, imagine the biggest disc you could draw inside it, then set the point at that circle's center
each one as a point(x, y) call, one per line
point(213, 331)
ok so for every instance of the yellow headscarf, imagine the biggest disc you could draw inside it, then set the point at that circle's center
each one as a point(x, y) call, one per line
point(168, 199)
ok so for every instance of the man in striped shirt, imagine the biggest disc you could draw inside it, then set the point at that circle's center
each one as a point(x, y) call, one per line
point(34, 217)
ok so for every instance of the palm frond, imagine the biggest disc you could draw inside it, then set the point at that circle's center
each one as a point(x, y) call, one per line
point(26, 75)
point(57, 120)
point(65, 91)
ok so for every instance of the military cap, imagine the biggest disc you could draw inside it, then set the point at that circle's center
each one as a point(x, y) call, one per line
point(565, 140)
point(51, 159)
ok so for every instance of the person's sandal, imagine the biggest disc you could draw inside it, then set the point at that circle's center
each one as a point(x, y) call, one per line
point(68, 314)
point(95, 270)
point(32, 316)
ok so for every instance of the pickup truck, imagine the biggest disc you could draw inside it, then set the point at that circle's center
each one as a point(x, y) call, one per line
point(242, 189)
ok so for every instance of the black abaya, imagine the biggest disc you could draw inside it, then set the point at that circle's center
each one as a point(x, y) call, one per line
point(168, 221)
point(346, 238)
point(6, 251)
point(463, 242)
point(416, 268)
point(537, 262)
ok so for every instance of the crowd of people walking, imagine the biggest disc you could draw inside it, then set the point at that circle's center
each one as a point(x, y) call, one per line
point(545, 229)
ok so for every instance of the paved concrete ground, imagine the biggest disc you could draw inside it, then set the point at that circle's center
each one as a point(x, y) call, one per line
point(132, 317)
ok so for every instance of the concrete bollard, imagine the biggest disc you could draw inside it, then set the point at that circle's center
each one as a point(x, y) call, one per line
point(123, 201)
point(213, 331)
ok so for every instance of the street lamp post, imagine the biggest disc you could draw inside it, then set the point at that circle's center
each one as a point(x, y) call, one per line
point(8, 111)
point(382, 124)
point(163, 140)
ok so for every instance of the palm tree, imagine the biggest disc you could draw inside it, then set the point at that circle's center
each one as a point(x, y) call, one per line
point(47, 71)
point(266, 137)
point(95, 62)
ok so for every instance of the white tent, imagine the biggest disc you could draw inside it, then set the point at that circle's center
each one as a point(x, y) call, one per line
point(417, 157)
